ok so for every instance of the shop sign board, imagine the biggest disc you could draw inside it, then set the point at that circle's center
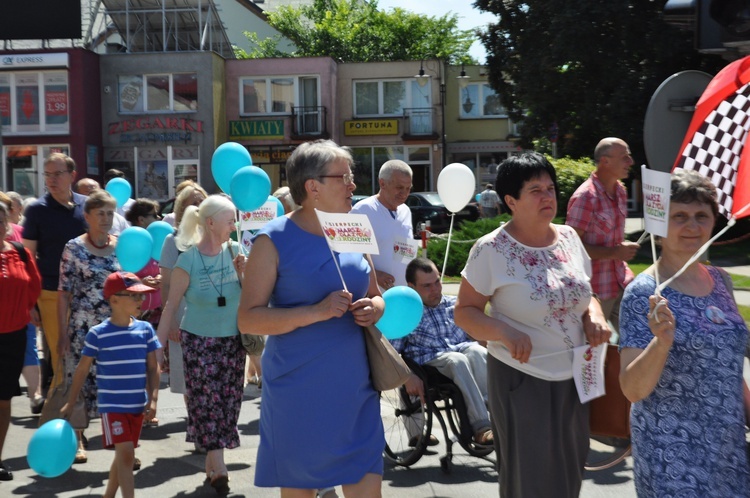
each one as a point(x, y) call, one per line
point(261, 129)
point(363, 127)
point(157, 129)
point(33, 60)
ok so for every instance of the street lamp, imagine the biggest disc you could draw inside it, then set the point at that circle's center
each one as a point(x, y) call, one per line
point(422, 78)
point(463, 78)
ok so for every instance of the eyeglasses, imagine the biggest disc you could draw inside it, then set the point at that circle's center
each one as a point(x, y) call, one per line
point(55, 174)
point(136, 297)
point(348, 178)
point(153, 215)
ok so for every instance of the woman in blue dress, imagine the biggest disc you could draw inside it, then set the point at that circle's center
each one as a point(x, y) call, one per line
point(682, 365)
point(320, 420)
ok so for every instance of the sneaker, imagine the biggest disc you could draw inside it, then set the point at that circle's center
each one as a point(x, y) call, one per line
point(36, 404)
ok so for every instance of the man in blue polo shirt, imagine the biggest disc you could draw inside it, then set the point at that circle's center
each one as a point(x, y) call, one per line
point(49, 224)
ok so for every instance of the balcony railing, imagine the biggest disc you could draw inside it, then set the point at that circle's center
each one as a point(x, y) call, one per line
point(308, 120)
point(418, 121)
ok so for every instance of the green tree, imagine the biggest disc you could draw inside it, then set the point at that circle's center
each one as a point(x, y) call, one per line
point(356, 31)
point(589, 66)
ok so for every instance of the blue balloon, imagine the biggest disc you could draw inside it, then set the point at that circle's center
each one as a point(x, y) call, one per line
point(120, 189)
point(133, 249)
point(250, 188)
point(477, 197)
point(279, 206)
point(403, 312)
point(159, 231)
point(52, 448)
point(228, 158)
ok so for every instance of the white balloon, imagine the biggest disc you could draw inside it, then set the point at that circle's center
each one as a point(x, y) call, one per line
point(456, 184)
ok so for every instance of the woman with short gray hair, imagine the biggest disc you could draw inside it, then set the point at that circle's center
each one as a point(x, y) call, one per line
point(682, 361)
point(315, 361)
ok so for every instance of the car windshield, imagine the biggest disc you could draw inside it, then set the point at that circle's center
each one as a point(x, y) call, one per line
point(434, 199)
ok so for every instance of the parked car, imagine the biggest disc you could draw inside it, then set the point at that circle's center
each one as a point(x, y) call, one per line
point(427, 206)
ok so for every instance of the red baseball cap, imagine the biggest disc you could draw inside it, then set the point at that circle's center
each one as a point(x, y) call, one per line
point(124, 281)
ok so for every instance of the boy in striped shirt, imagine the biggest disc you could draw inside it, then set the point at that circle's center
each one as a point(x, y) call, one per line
point(127, 375)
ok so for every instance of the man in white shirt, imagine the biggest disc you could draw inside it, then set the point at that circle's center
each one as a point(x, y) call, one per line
point(489, 202)
point(391, 222)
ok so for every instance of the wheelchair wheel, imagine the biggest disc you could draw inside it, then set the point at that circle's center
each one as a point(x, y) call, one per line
point(407, 424)
point(454, 408)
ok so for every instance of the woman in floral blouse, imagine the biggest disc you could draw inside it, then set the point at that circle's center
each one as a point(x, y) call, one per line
point(535, 275)
point(86, 262)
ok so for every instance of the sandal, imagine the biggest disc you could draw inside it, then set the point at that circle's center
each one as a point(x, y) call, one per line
point(154, 422)
point(220, 482)
point(484, 437)
point(81, 456)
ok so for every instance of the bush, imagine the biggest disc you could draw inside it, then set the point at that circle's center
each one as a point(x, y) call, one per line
point(462, 241)
point(571, 173)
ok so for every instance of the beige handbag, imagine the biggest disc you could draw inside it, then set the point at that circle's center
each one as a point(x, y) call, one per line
point(56, 399)
point(387, 368)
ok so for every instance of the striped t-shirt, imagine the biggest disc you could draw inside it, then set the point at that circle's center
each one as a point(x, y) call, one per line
point(120, 355)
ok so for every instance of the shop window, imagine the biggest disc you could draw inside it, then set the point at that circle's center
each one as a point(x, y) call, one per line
point(34, 102)
point(479, 100)
point(267, 95)
point(176, 92)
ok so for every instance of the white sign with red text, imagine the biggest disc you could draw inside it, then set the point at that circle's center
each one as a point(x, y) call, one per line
point(588, 371)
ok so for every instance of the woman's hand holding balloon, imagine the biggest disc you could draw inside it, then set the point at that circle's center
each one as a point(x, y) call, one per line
point(334, 305)
point(239, 264)
point(661, 320)
point(364, 311)
point(153, 282)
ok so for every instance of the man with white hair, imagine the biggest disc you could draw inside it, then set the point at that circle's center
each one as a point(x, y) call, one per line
point(391, 222)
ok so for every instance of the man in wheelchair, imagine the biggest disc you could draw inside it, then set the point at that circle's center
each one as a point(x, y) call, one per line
point(439, 343)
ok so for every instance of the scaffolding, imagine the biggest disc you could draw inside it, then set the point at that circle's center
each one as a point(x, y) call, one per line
point(147, 26)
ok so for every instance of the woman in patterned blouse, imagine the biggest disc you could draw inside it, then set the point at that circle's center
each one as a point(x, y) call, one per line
point(681, 366)
point(535, 275)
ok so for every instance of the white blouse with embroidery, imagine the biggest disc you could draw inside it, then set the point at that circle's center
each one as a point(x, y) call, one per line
point(542, 291)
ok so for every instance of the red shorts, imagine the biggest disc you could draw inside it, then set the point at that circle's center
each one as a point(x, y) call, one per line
point(121, 428)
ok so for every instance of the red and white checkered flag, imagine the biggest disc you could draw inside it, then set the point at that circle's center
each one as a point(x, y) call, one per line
point(714, 145)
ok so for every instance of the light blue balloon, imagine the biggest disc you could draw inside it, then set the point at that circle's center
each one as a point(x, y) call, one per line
point(133, 249)
point(477, 197)
point(279, 206)
point(228, 158)
point(250, 188)
point(159, 231)
point(403, 312)
point(52, 448)
point(120, 189)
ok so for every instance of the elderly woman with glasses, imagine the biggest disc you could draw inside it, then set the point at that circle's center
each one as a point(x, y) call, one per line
point(315, 361)
point(682, 361)
point(207, 275)
point(86, 263)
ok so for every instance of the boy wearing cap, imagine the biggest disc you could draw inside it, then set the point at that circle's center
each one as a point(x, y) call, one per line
point(127, 375)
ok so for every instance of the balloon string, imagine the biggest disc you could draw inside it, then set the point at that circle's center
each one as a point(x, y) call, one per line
point(695, 256)
point(539, 356)
point(243, 250)
point(447, 248)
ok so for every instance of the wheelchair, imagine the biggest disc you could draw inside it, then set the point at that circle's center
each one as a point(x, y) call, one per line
point(408, 423)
